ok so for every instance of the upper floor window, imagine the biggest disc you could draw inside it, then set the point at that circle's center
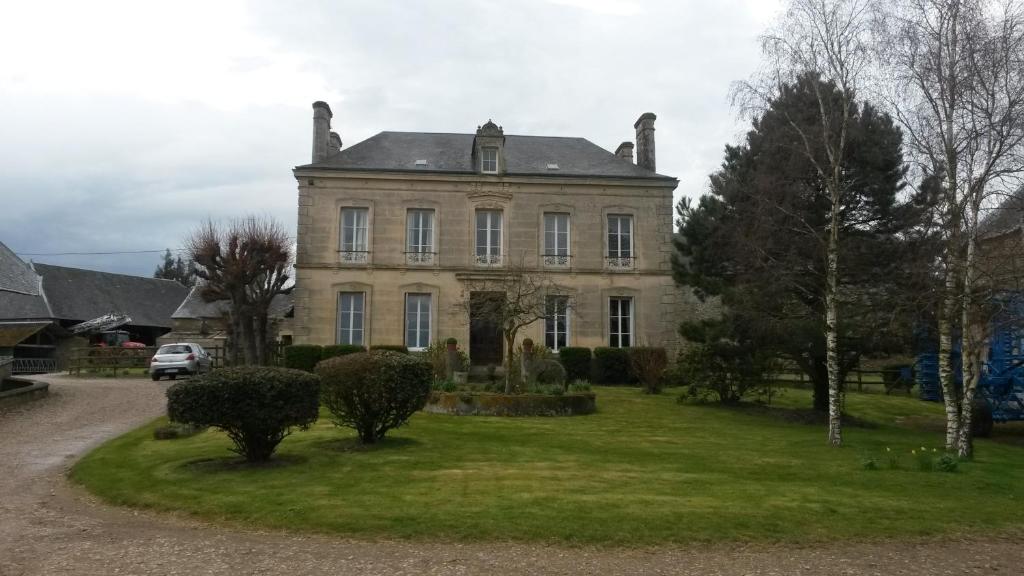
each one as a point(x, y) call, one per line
point(419, 237)
point(488, 237)
point(556, 322)
point(556, 239)
point(620, 322)
point(354, 234)
point(620, 241)
point(417, 321)
point(350, 318)
point(489, 160)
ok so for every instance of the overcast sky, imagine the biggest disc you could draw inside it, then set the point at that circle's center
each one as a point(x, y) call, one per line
point(124, 124)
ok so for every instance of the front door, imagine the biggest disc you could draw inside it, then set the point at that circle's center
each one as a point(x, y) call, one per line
point(485, 328)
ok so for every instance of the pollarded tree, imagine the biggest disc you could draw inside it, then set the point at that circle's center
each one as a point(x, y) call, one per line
point(761, 239)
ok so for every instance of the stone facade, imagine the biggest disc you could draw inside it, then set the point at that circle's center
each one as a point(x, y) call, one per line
point(387, 273)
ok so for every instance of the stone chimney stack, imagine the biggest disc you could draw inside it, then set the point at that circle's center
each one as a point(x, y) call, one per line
point(625, 151)
point(322, 131)
point(645, 141)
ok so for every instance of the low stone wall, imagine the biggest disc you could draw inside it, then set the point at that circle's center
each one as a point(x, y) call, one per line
point(486, 404)
point(28, 390)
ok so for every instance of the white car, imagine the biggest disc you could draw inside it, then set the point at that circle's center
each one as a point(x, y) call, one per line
point(183, 358)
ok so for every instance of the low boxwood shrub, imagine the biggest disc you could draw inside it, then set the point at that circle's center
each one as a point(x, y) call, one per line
point(373, 392)
point(649, 365)
point(611, 366)
point(302, 356)
point(335, 350)
point(256, 406)
point(392, 347)
point(576, 362)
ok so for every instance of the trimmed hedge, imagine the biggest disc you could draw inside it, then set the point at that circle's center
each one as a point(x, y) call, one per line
point(256, 406)
point(612, 366)
point(302, 356)
point(373, 392)
point(392, 347)
point(649, 365)
point(576, 362)
point(335, 350)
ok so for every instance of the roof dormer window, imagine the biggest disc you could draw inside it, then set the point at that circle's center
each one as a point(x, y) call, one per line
point(489, 160)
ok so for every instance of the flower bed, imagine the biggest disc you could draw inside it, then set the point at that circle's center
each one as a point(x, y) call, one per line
point(489, 404)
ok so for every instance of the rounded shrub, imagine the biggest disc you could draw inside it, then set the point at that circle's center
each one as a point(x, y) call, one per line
point(648, 365)
point(373, 392)
point(302, 356)
point(256, 406)
point(335, 350)
point(576, 362)
point(612, 366)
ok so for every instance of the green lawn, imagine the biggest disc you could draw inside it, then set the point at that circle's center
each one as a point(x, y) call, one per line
point(644, 470)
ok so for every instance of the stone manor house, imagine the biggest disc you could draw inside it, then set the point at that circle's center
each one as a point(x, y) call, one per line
point(391, 230)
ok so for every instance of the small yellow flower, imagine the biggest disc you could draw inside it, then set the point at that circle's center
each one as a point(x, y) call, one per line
point(913, 451)
point(935, 449)
point(923, 449)
point(887, 449)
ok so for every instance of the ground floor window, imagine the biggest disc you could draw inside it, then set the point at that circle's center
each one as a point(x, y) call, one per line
point(620, 322)
point(417, 321)
point(350, 318)
point(556, 323)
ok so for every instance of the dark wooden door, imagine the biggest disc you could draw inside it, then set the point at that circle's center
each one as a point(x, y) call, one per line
point(485, 329)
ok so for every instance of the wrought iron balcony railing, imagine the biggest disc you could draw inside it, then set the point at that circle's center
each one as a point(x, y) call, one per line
point(354, 256)
point(420, 258)
point(555, 260)
point(619, 262)
point(488, 259)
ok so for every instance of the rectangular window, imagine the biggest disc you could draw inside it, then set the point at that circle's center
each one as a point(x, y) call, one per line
point(417, 321)
point(556, 239)
point(489, 160)
point(354, 234)
point(420, 236)
point(620, 241)
point(620, 322)
point(350, 318)
point(488, 237)
point(556, 323)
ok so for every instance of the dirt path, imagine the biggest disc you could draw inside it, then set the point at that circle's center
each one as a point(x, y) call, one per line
point(50, 528)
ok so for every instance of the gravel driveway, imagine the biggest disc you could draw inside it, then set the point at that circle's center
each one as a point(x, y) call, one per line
point(49, 528)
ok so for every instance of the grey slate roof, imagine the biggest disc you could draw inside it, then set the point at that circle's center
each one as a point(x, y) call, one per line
point(77, 294)
point(20, 289)
point(195, 307)
point(452, 153)
point(1006, 217)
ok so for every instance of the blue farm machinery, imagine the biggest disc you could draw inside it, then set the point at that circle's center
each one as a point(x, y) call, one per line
point(1000, 394)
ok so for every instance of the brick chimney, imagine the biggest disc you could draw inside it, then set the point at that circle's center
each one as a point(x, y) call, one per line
point(645, 141)
point(625, 151)
point(322, 131)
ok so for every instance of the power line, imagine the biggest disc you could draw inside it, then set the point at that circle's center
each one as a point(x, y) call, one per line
point(161, 251)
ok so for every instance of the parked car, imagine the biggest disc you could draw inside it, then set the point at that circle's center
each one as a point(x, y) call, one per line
point(172, 360)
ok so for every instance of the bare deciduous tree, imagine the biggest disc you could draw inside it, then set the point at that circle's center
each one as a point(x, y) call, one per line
point(957, 71)
point(830, 39)
point(246, 262)
point(517, 296)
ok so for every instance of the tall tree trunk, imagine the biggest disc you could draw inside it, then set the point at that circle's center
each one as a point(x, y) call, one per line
point(261, 338)
point(510, 348)
point(972, 338)
point(835, 405)
point(947, 378)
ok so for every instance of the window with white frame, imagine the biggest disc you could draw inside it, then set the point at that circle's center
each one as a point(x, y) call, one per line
point(489, 160)
point(488, 237)
point(350, 317)
point(556, 322)
point(620, 322)
point(417, 321)
point(419, 236)
point(556, 239)
point(620, 241)
point(354, 234)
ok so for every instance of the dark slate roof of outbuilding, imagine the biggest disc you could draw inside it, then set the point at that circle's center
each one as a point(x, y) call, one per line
point(77, 294)
point(453, 153)
point(20, 289)
point(195, 307)
point(1006, 217)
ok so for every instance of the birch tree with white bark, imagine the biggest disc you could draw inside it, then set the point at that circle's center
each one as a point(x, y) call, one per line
point(831, 39)
point(956, 71)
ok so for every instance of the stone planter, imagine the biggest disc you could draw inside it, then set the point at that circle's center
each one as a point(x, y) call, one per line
point(487, 404)
point(28, 390)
